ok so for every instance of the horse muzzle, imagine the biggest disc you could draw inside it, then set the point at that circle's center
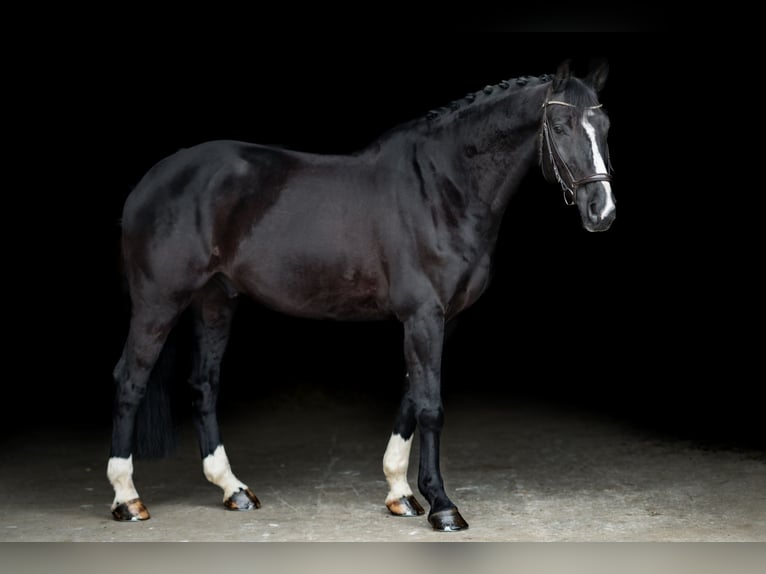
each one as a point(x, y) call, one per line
point(597, 206)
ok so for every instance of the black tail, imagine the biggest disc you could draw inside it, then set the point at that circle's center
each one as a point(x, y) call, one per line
point(154, 430)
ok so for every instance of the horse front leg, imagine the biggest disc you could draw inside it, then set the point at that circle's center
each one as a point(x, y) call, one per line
point(400, 500)
point(423, 342)
point(213, 312)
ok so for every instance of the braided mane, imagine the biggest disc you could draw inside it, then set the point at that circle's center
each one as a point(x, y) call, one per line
point(471, 97)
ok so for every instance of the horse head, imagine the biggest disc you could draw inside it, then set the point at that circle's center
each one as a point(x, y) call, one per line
point(573, 145)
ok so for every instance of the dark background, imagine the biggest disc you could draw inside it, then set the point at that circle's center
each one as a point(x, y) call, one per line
point(644, 322)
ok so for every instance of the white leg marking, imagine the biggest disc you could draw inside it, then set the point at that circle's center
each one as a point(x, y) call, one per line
point(599, 164)
point(218, 471)
point(119, 471)
point(395, 463)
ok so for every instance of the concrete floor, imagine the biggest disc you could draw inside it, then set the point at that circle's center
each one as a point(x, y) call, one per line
point(519, 471)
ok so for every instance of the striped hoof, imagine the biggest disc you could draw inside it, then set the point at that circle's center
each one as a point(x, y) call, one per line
point(243, 499)
point(405, 506)
point(130, 511)
point(447, 521)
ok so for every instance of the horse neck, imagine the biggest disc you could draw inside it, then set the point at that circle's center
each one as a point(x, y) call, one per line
point(497, 147)
point(477, 157)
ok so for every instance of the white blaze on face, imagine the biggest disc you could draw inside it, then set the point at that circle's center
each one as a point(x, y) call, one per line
point(218, 471)
point(119, 471)
point(395, 462)
point(598, 163)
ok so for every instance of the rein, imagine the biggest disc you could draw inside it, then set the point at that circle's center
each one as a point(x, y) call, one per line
point(568, 183)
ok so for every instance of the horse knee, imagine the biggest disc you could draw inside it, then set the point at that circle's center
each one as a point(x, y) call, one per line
point(431, 418)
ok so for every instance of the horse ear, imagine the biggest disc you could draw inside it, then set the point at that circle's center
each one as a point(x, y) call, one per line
point(597, 75)
point(561, 77)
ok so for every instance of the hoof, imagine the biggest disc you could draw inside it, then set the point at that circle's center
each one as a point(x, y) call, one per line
point(243, 499)
point(405, 506)
point(447, 521)
point(130, 511)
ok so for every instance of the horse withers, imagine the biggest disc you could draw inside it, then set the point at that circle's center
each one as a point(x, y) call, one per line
point(404, 229)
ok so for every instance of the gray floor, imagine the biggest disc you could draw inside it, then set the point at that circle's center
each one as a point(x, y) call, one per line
point(518, 472)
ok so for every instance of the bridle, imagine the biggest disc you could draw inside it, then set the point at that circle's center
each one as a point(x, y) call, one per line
point(561, 170)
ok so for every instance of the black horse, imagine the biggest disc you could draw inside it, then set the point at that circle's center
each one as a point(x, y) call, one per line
point(404, 229)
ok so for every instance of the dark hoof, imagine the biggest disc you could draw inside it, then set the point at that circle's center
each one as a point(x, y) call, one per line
point(406, 506)
point(243, 499)
point(131, 511)
point(447, 521)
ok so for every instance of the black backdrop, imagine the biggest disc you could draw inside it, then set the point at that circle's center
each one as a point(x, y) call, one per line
point(624, 321)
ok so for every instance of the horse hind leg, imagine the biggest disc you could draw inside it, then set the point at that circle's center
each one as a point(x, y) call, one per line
point(149, 328)
point(400, 500)
point(213, 311)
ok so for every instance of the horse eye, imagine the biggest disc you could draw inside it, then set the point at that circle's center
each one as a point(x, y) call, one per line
point(558, 128)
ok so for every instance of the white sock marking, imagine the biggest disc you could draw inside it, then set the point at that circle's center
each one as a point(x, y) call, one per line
point(119, 471)
point(598, 162)
point(218, 471)
point(395, 463)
